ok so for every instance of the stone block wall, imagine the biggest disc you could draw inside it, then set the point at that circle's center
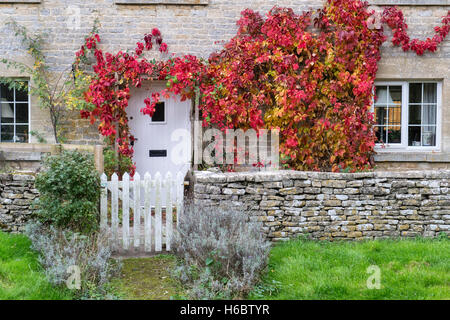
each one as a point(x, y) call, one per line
point(332, 206)
point(17, 194)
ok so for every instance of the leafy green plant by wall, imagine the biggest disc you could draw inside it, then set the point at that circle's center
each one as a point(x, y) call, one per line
point(69, 190)
point(114, 162)
point(222, 253)
point(39, 136)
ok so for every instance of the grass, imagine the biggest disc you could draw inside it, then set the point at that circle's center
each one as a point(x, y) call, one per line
point(147, 279)
point(410, 269)
point(21, 277)
point(300, 269)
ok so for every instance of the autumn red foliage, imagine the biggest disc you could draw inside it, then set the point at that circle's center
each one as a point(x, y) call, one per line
point(393, 17)
point(311, 75)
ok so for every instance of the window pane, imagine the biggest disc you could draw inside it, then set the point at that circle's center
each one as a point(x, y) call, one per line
point(428, 136)
point(381, 94)
point(415, 93)
point(415, 114)
point(7, 111)
point(22, 94)
point(21, 112)
point(395, 116)
point(7, 133)
point(14, 113)
point(414, 136)
point(395, 95)
point(394, 134)
point(380, 133)
point(430, 93)
point(380, 115)
point(21, 134)
point(6, 94)
point(159, 115)
point(429, 114)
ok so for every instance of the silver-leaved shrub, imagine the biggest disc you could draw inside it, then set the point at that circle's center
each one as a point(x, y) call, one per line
point(61, 250)
point(222, 253)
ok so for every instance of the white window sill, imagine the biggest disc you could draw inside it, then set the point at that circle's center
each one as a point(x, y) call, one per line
point(165, 2)
point(20, 1)
point(409, 2)
point(412, 156)
point(409, 149)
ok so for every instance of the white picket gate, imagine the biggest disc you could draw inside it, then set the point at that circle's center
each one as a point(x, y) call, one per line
point(149, 230)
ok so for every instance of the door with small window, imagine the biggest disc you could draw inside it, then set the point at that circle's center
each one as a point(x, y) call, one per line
point(408, 115)
point(14, 110)
point(163, 142)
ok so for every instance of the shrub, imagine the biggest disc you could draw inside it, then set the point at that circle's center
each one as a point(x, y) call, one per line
point(69, 190)
point(116, 163)
point(61, 249)
point(222, 253)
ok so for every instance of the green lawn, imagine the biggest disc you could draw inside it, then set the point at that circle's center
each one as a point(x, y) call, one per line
point(301, 269)
point(21, 276)
point(410, 269)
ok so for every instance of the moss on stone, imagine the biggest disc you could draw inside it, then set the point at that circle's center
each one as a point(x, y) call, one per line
point(148, 279)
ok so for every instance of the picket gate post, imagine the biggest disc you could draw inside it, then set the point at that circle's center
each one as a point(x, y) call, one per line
point(158, 215)
point(114, 208)
point(137, 210)
point(179, 197)
point(169, 210)
point(126, 210)
point(104, 203)
point(147, 213)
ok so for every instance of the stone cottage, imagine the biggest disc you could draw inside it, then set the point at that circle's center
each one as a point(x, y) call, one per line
point(413, 109)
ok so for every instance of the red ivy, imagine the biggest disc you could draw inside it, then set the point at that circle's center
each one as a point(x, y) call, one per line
point(316, 87)
point(393, 17)
point(109, 91)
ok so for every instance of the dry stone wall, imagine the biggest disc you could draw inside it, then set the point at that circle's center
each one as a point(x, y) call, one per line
point(333, 205)
point(289, 203)
point(17, 193)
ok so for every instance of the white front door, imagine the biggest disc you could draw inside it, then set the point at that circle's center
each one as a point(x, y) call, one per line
point(164, 141)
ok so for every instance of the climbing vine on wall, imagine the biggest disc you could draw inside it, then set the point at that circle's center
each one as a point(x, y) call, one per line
point(314, 84)
point(114, 74)
point(56, 92)
point(48, 89)
point(393, 17)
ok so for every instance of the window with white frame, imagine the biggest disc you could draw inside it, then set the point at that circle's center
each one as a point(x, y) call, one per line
point(14, 111)
point(407, 114)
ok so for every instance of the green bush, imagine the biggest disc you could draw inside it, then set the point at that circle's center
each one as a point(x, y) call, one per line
point(69, 188)
point(114, 163)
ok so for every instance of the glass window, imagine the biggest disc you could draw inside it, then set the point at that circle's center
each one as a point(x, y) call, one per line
point(160, 114)
point(21, 133)
point(7, 112)
point(7, 133)
point(6, 94)
point(14, 111)
point(388, 114)
point(21, 112)
point(22, 94)
point(406, 114)
point(422, 115)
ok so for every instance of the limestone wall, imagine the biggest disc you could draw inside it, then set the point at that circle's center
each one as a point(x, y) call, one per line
point(17, 194)
point(333, 205)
